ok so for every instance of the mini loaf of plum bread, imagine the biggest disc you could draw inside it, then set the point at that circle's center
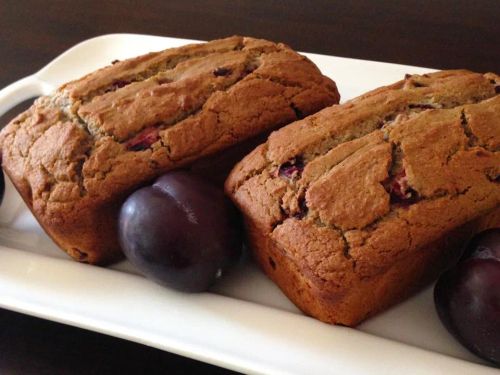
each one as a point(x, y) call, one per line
point(75, 155)
point(353, 208)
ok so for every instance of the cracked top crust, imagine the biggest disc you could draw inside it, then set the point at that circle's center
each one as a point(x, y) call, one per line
point(97, 138)
point(347, 192)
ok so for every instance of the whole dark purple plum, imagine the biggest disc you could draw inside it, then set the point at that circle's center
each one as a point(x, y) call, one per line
point(467, 296)
point(181, 232)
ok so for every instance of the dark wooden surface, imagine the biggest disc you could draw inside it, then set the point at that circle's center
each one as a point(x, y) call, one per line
point(437, 34)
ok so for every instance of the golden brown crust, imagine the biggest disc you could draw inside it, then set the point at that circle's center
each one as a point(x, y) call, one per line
point(347, 210)
point(75, 155)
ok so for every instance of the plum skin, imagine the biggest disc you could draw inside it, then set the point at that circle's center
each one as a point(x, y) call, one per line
point(181, 232)
point(2, 186)
point(467, 297)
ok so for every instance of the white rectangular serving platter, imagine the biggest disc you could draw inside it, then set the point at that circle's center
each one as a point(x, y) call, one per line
point(245, 323)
